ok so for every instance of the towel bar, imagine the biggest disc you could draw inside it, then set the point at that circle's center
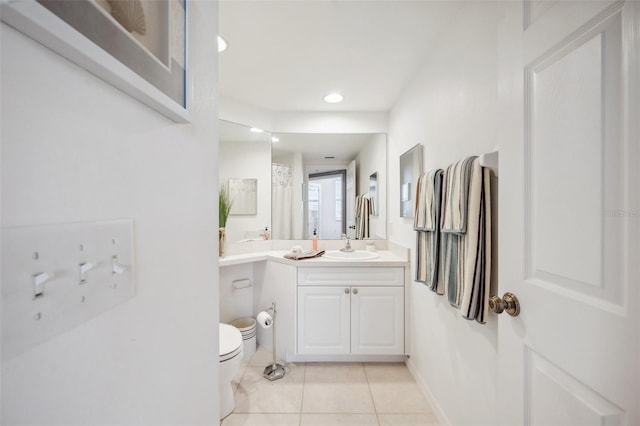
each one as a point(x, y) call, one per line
point(490, 160)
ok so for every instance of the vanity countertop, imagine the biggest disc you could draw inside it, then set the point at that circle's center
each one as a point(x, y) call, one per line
point(386, 258)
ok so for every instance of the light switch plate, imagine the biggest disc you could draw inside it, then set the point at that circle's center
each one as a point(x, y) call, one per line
point(64, 302)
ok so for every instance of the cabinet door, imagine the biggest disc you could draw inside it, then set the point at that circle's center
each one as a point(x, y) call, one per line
point(377, 320)
point(323, 320)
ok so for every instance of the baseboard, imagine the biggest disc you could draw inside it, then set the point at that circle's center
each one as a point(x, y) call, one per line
point(437, 410)
point(344, 358)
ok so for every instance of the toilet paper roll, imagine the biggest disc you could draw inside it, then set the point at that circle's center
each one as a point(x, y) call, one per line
point(264, 319)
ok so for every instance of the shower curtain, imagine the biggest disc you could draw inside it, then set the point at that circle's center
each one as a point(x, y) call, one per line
point(281, 177)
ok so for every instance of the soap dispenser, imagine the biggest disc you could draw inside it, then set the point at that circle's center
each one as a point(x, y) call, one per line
point(266, 235)
point(314, 241)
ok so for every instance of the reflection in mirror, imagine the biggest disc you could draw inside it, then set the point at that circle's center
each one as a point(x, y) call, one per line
point(244, 193)
point(373, 191)
point(299, 201)
point(325, 204)
point(332, 170)
point(246, 155)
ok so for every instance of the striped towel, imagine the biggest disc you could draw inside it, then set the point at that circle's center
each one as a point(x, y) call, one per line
point(427, 224)
point(362, 213)
point(309, 254)
point(456, 196)
point(466, 237)
point(477, 263)
point(453, 225)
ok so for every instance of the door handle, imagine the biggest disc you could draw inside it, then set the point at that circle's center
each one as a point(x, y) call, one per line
point(346, 291)
point(355, 291)
point(508, 303)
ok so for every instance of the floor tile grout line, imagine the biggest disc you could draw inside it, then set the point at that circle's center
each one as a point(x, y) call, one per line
point(304, 384)
point(304, 390)
point(373, 401)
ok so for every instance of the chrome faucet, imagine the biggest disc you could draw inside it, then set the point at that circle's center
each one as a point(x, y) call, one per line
point(347, 248)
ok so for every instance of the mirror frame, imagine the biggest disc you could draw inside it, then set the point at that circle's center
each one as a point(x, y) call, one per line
point(410, 171)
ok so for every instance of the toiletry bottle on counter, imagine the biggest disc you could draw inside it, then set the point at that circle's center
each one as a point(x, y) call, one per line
point(266, 235)
point(370, 245)
point(314, 241)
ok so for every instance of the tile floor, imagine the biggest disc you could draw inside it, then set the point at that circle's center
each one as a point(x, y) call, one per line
point(327, 394)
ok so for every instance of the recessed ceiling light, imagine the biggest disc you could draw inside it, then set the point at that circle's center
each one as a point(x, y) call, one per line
point(275, 139)
point(333, 98)
point(222, 44)
point(256, 130)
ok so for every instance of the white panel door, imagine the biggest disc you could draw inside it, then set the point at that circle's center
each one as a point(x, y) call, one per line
point(377, 320)
point(323, 320)
point(570, 213)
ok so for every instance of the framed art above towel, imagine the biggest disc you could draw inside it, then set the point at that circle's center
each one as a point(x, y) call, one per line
point(137, 46)
point(410, 170)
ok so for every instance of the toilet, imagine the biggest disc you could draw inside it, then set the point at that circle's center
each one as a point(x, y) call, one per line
point(231, 348)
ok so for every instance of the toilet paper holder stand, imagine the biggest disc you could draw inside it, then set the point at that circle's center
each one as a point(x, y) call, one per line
point(273, 371)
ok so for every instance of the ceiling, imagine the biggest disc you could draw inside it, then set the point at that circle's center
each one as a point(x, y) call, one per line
point(316, 147)
point(286, 55)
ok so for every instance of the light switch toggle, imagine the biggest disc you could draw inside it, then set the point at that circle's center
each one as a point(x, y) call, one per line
point(84, 271)
point(38, 283)
point(116, 267)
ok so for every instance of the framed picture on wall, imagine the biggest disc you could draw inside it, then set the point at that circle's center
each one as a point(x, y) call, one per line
point(244, 193)
point(138, 46)
point(410, 170)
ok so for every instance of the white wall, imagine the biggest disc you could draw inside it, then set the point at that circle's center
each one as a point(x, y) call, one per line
point(76, 149)
point(248, 160)
point(451, 108)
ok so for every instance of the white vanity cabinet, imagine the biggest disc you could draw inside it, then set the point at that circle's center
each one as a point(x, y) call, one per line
point(350, 311)
point(324, 324)
point(377, 320)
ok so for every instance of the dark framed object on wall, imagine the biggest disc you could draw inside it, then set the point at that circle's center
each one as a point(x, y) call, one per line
point(410, 170)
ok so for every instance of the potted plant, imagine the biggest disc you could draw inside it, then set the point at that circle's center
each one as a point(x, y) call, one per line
point(224, 205)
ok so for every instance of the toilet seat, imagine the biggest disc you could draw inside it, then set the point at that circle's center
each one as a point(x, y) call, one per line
point(230, 342)
point(231, 353)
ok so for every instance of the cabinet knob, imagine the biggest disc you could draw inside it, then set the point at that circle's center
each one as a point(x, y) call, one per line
point(346, 291)
point(355, 291)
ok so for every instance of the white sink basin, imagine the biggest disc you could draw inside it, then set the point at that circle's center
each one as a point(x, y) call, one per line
point(351, 255)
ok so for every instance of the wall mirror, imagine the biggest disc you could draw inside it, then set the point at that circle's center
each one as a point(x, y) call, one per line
point(314, 180)
point(410, 170)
